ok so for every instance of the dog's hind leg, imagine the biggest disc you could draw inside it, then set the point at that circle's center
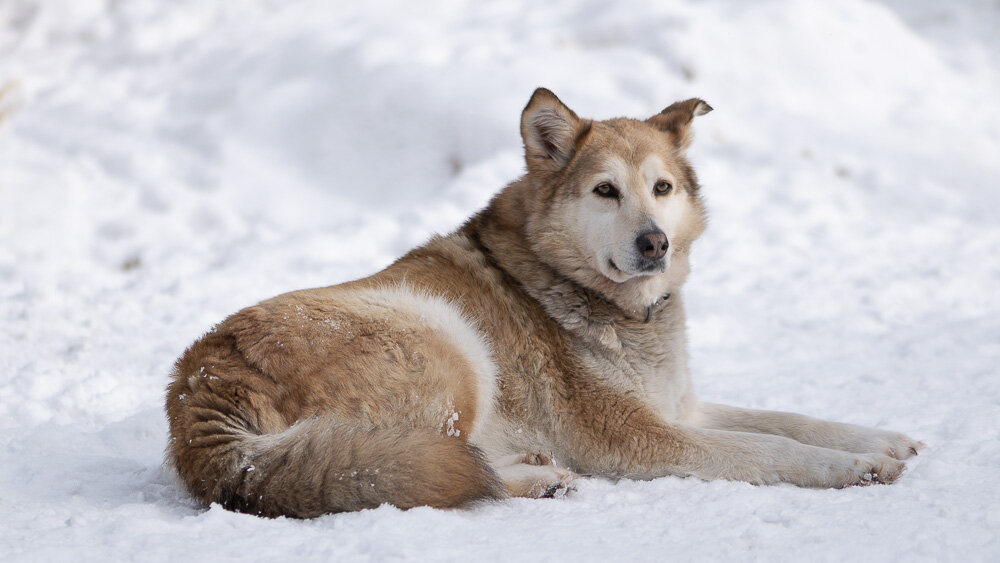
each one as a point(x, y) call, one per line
point(807, 430)
point(534, 475)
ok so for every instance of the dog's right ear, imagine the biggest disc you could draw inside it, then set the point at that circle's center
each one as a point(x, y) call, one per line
point(550, 131)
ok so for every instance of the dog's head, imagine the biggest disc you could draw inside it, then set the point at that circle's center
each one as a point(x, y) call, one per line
point(615, 203)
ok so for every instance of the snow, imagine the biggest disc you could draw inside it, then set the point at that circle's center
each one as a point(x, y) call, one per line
point(163, 164)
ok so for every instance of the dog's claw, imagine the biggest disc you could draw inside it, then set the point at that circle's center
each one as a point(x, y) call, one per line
point(551, 491)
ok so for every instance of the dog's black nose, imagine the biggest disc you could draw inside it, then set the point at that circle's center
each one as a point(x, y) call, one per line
point(652, 244)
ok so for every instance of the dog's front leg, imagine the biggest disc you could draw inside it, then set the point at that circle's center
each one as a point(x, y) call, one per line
point(617, 436)
point(807, 430)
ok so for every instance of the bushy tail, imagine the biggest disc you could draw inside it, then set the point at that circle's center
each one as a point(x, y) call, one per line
point(317, 467)
point(230, 446)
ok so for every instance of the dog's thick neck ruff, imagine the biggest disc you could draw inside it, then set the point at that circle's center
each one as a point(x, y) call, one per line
point(571, 304)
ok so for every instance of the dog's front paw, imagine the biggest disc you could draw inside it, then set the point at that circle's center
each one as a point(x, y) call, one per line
point(833, 469)
point(901, 446)
point(873, 469)
point(891, 444)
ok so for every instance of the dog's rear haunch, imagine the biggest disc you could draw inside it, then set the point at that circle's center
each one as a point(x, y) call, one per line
point(541, 340)
point(268, 446)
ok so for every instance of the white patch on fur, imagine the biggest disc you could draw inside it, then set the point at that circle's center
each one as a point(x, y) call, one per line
point(652, 169)
point(611, 228)
point(668, 210)
point(616, 171)
point(604, 223)
point(441, 315)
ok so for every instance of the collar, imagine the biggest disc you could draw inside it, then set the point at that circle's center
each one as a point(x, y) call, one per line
point(649, 310)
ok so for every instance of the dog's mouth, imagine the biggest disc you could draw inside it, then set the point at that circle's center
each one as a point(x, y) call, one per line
point(647, 268)
point(650, 267)
point(614, 273)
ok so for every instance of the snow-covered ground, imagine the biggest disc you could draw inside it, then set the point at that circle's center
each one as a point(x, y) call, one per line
point(164, 163)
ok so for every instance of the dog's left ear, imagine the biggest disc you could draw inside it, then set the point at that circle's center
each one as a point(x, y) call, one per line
point(676, 120)
point(550, 131)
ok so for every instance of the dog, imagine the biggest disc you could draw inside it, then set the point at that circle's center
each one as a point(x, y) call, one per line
point(542, 340)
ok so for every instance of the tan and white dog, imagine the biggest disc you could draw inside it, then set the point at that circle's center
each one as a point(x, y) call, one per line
point(549, 327)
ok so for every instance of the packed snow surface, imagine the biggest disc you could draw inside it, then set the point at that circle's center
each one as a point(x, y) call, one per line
point(165, 163)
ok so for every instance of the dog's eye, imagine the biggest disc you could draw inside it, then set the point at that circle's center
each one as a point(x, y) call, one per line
point(606, 190)
point(662, 187)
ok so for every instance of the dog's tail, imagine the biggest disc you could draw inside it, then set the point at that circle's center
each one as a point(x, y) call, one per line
point(315, 466)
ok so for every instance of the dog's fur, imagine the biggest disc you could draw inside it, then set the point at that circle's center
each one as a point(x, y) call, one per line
point(535, 343)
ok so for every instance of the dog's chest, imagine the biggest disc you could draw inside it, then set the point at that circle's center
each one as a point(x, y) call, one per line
point(648, 360)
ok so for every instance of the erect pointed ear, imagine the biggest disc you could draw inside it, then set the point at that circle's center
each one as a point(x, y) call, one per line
point(550, 131)
point(676, 120)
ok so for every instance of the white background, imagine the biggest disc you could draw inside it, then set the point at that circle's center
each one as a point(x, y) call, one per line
point(163, 164)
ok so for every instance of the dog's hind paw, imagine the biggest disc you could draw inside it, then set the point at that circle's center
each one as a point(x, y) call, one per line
point(536, 476)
